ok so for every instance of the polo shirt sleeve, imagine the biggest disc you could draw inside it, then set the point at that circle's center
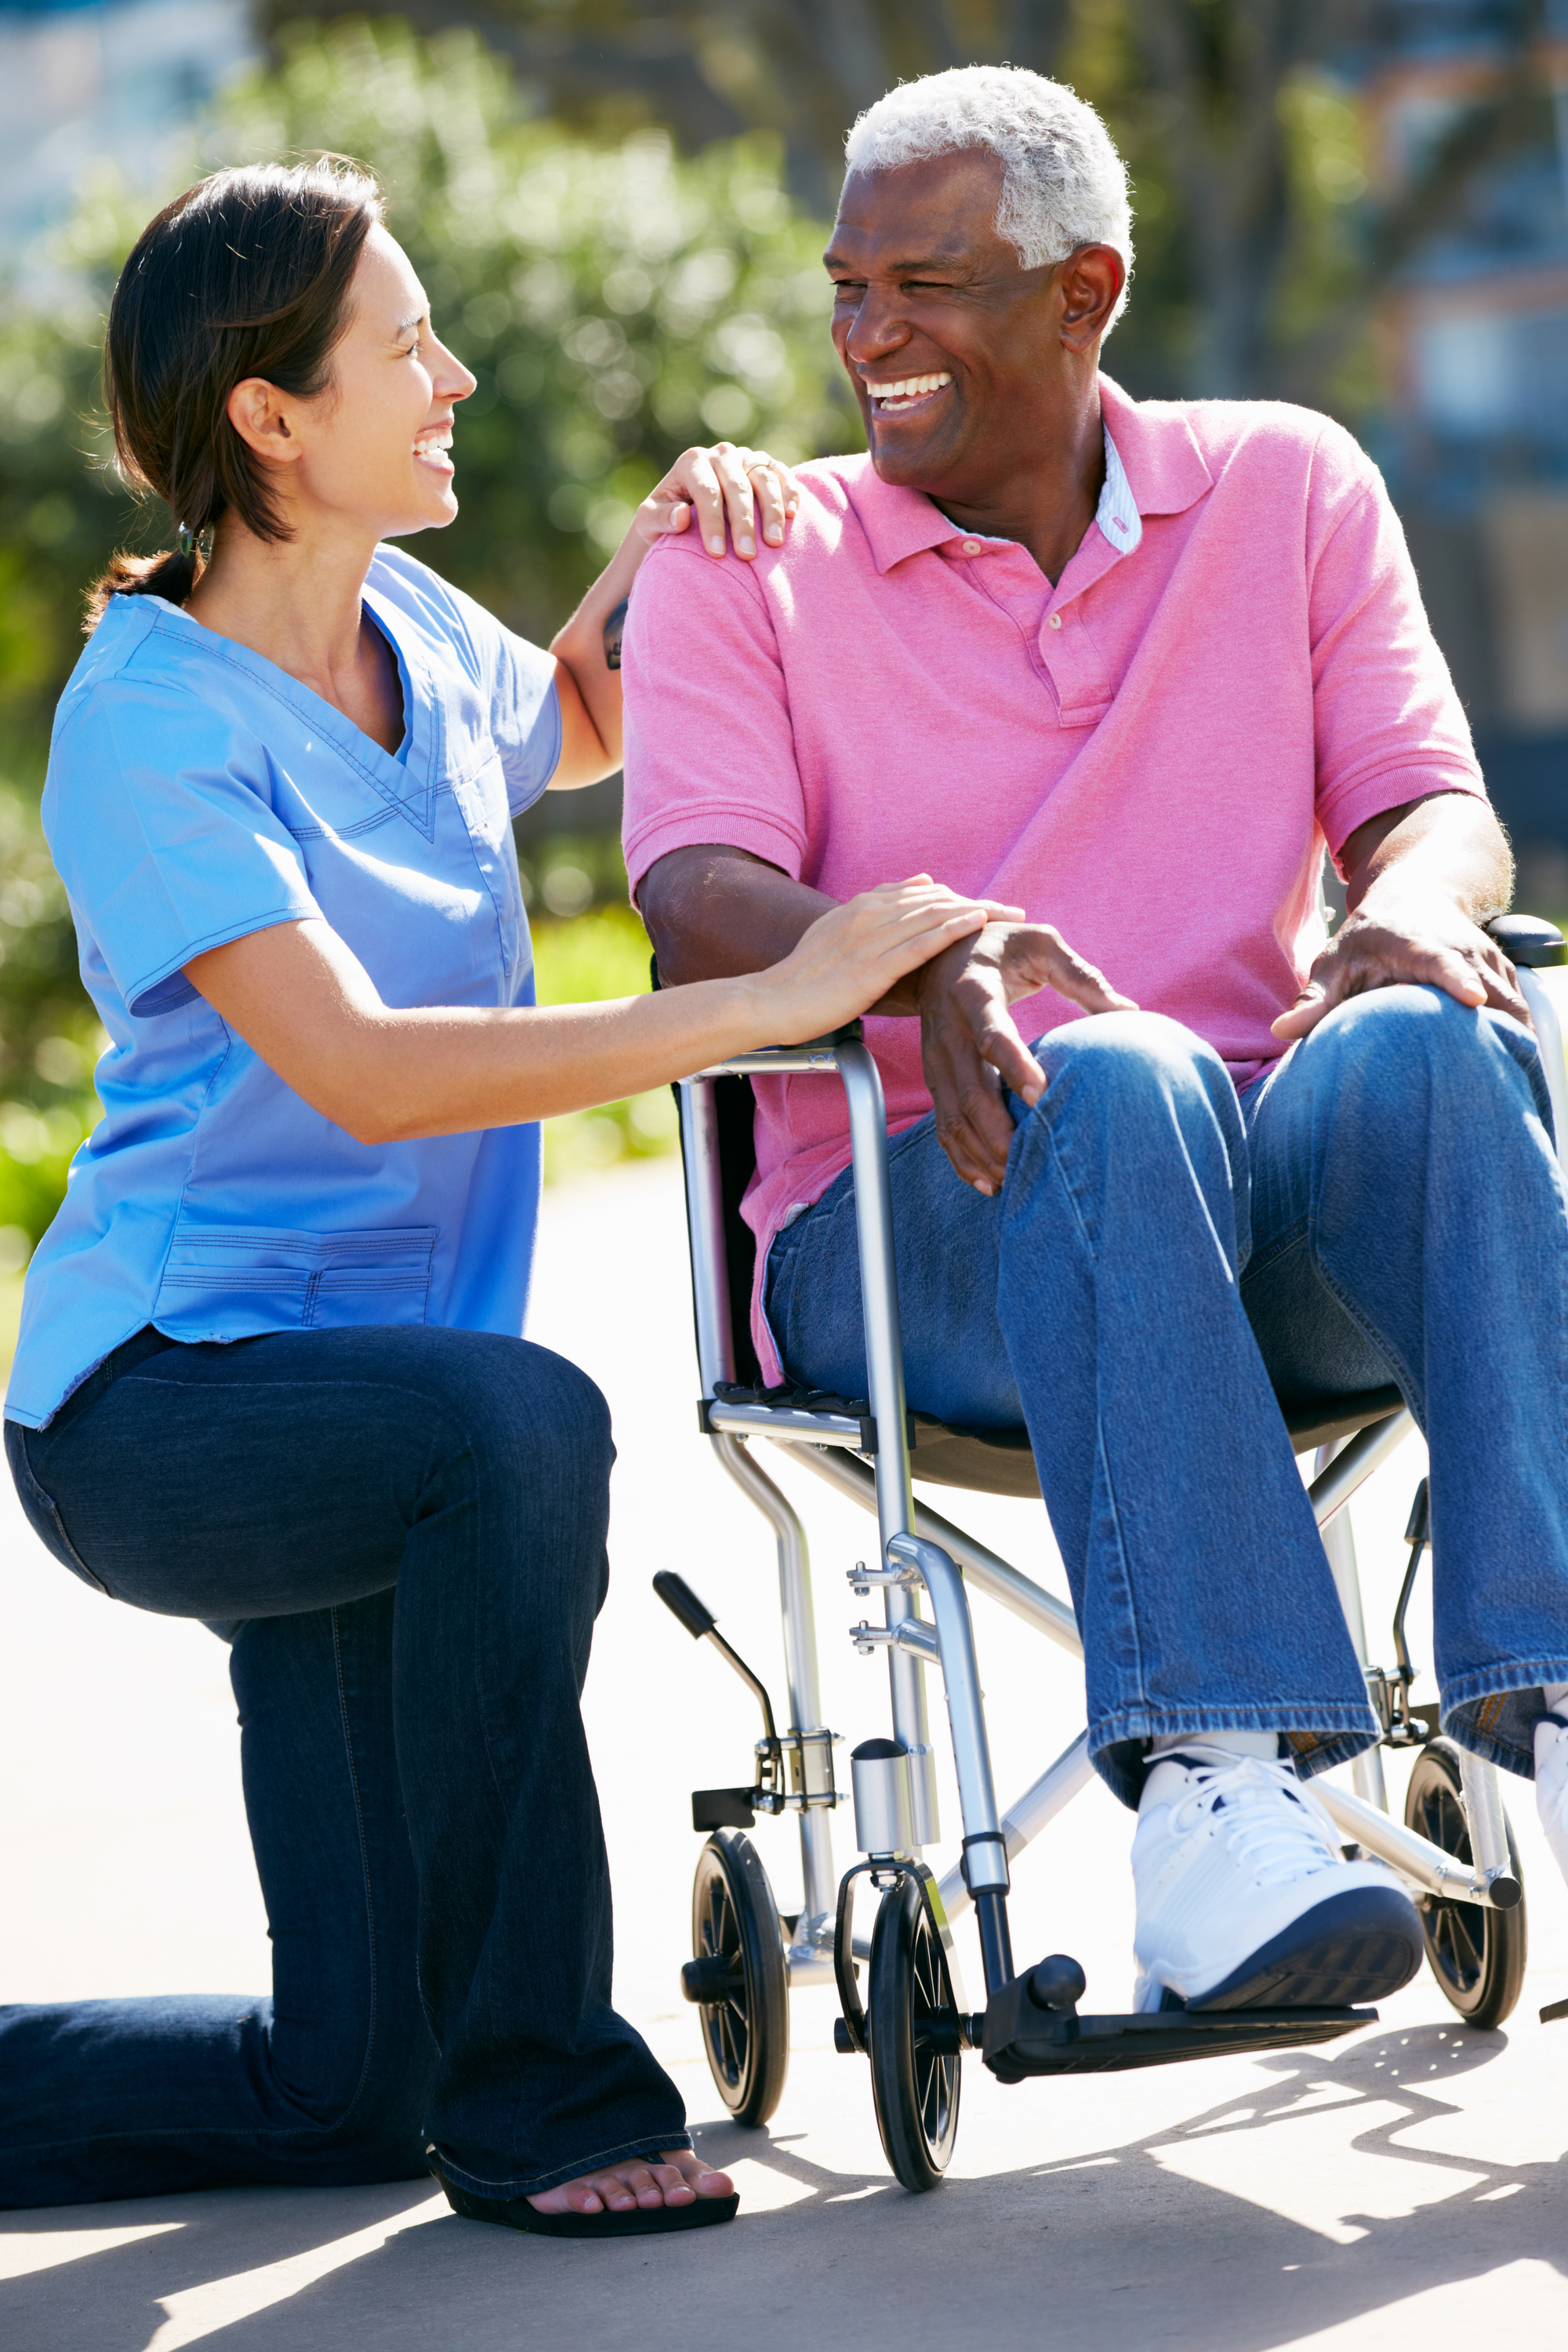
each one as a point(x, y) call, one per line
point(161, 828)
point(1389, 725)
point(709, 750)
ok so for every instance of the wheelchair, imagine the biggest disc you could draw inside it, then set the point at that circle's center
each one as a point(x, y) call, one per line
point(1454, 1851)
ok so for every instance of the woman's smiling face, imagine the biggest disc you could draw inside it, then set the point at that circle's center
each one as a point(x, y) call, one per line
point(373, 450)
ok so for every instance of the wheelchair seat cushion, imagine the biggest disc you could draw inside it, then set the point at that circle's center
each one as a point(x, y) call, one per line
point(1000, 1462)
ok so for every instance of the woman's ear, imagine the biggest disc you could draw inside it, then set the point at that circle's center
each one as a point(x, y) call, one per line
point(258, 413)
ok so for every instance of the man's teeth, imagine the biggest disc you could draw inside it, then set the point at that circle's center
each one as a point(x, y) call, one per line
point(913, 388)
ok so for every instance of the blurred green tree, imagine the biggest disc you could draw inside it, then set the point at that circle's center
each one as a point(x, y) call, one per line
point(616, 302)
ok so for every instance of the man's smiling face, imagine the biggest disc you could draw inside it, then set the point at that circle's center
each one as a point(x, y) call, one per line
point(957, 353)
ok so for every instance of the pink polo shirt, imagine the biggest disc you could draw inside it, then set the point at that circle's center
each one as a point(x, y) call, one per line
point(1234, 670)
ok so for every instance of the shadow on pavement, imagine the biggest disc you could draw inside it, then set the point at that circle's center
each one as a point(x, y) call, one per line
point(1301, 2207)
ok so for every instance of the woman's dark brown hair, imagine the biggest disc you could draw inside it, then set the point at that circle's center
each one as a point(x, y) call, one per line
point(246, 274)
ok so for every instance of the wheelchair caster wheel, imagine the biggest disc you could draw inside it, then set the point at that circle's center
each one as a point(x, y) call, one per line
point(1477, 1954)
point(734, 1919)
point(912, 2033)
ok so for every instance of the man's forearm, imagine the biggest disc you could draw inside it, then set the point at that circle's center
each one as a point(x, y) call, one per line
point(1450, 844)
point(715, 913)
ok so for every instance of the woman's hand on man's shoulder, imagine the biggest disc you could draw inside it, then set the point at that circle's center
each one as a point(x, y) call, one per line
point(724, 489)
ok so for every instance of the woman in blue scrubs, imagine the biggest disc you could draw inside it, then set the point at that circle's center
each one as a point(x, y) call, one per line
point(269, 1373)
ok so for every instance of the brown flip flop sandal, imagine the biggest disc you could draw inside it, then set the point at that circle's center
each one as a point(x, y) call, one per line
point(647, 2221)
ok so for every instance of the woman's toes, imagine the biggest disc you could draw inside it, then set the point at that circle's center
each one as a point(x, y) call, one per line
point(676, 2181)
point(695, 2174)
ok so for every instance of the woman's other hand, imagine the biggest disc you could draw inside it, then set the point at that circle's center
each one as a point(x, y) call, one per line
point(723, 487)
point(855, 954)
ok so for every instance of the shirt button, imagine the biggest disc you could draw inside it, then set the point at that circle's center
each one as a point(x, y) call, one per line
point(972, 547)
point(1055, 620)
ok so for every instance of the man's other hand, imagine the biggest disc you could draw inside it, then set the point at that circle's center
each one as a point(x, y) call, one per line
point(970, 1044)
point(1425, 939)
point(1420, 881)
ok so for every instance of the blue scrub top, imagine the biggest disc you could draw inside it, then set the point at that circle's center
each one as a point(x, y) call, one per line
point(195, 793)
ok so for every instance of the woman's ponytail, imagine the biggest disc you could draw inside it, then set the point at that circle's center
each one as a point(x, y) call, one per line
point(171, 576)
point(247, 274)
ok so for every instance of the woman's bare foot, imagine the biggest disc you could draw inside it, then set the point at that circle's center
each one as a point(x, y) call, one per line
point(680, 2180)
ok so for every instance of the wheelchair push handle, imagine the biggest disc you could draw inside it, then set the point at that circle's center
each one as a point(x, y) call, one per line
point(1528, 942)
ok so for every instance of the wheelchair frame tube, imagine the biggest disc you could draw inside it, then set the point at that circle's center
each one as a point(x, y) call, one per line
point(810, 1951)
point(1548, 1034)
point(1339, 1542)
point(885, 1384)
point(980, 1566)
point(1038, 1806)
point(704, 1220)
point(811, 1948)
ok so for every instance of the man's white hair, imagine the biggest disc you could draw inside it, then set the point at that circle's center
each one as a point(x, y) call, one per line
point(1064, 183)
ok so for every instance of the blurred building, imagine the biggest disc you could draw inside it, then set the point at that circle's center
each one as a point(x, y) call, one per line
point(86, 81)
point(1468, 118)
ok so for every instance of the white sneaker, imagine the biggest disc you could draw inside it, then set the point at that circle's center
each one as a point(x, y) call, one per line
point(1552, 1784)
point(1245, 1900)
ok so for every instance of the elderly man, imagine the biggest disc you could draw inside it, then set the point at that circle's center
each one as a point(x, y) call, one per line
point(1131, 666)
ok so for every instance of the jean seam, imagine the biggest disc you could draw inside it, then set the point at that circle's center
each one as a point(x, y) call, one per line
point(370, 1925)
point(51, 1511)
point(1129, 1609)
point(1403, 1377)
point(1260, 1260)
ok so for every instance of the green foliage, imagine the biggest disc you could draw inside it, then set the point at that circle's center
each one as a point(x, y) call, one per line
point(616, 302)
point(49, 1037)
point(1255, 273)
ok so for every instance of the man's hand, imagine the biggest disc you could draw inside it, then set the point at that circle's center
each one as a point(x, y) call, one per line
point(1420, 880)
point(1423, 935)
point(970, 1045)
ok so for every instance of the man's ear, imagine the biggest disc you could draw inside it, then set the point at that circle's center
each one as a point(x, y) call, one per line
point(261, 414)
point(1091, 279)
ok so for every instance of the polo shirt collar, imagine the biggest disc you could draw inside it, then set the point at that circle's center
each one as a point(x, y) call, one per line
point(1152, 466)
point(1161, 460)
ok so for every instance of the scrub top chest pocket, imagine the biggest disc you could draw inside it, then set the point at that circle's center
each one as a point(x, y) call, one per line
point(218, 1277)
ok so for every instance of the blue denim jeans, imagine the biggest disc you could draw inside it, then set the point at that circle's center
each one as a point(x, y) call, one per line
point(401, 1532)
point(1386, 1206)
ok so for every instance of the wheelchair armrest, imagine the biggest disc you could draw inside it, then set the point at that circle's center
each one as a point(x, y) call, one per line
point(852, 1034)
point(1526, 939)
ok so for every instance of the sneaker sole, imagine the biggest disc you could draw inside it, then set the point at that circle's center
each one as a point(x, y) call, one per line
point(1359, 1945)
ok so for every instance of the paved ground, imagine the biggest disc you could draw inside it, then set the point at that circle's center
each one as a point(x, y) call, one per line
point(1412, 2177)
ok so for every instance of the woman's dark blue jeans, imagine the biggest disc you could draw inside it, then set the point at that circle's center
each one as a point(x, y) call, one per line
point(401, 1532)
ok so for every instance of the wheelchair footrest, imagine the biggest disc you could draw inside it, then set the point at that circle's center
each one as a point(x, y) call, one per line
point(1022, 2039)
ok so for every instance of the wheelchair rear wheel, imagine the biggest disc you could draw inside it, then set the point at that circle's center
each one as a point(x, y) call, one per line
point(913, 2032)
point(1476, 1953)
point(734, 1919)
